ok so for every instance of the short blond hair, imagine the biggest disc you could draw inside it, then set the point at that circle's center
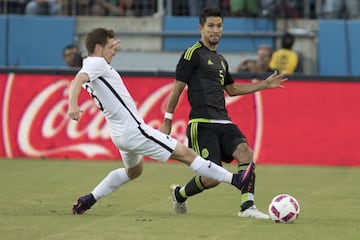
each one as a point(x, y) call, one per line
point(267, 48)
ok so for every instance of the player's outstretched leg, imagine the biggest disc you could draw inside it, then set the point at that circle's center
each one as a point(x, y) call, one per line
point(83, 203)
point(114, 180)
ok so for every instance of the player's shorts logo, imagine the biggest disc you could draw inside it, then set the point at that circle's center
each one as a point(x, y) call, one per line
point(205, 153)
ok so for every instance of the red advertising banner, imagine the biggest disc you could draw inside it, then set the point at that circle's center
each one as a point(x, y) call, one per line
point(307, 123)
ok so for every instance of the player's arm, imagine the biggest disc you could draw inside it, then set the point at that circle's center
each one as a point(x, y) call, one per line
point(175, 94)
point(74, 92)
point(275, 80)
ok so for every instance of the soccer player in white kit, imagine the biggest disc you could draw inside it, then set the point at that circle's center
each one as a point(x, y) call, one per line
point(132, 136)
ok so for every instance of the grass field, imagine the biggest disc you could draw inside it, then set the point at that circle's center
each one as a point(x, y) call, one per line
point(36, 198)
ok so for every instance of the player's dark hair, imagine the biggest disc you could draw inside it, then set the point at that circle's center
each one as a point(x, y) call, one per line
point(98, 36)
point(287, 41)
point(210, 11)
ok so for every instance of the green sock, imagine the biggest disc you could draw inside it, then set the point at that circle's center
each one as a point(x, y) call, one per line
point(247, 195)
point(194, 186)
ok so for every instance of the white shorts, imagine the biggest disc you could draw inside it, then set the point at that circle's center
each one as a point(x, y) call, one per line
point(144, 141)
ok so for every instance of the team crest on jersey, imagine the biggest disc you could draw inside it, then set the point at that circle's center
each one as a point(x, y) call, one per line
point(210, 62)
point(205, 153)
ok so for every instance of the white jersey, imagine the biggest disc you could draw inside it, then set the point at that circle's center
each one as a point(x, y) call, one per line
point(108, 91)
point(127, 128)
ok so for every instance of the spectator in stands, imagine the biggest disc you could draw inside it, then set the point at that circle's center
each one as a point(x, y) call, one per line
point(113, 8)
point(243, 8)
point(78, 7)
point(72, 56)
point(285, 60)
point(179, 7)
point(280, 8)
point(43, 7)
point(341, 9)
point(225, 7)
point(12, 6)
point(195, 7)
point(268, 8)
point(261, 64)
point(146, 7)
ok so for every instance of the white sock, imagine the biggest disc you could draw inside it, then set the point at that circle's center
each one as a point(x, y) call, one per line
point(110, 183)
point(211, 170)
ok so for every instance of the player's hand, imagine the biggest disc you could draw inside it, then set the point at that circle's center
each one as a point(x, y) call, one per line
point(116, 45)
point(275, 80)
point(74, 113)
point(166, 127)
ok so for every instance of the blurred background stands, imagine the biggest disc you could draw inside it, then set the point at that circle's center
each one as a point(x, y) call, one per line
point(274, 9)
point(162, 30)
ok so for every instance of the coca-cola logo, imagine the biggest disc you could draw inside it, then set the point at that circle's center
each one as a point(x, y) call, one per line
point(56, 122)
point(40, 126)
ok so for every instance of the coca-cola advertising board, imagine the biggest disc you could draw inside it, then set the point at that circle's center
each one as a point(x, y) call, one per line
point(306, 123)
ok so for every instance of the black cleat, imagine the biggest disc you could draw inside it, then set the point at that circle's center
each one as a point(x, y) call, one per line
point(83, 203)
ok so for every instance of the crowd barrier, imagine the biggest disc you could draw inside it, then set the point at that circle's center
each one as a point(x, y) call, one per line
point(338, 48)
point(33, 41)
point(310, 122)
point(247, 42)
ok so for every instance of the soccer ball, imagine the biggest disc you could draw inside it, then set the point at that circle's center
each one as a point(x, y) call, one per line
point(284, 209)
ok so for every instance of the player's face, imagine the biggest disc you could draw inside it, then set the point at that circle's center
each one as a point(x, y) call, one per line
point(212, 30)
point(108, 50)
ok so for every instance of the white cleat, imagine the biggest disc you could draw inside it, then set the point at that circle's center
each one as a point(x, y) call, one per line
point(179, 207)
point(253, 212)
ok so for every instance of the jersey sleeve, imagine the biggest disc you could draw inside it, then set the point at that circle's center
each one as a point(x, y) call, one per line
point(186, 65)
point(228, 77)
point(94, 67)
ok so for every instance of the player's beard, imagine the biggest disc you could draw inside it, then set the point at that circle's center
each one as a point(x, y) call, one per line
point(213, 41)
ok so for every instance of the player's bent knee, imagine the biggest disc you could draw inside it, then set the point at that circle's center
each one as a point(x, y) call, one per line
point(243, 154)
point(183, 154)
point(134, 174)
point(135, 171)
